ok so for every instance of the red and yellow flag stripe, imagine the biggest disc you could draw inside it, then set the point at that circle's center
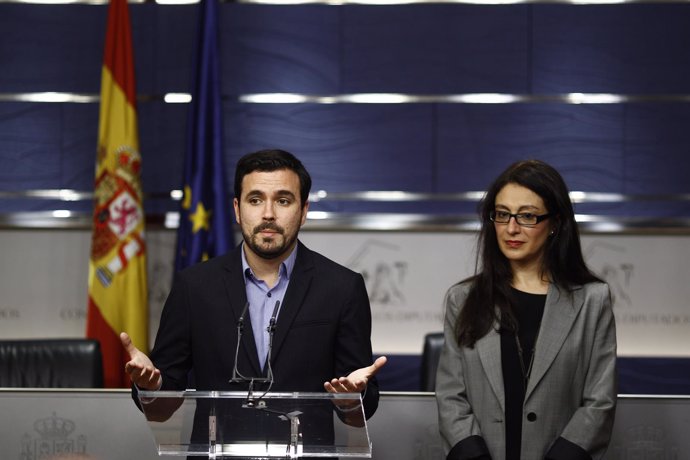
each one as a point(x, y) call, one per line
point(117, 267)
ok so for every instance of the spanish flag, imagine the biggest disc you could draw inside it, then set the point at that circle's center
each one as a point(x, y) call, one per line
point(117, 267)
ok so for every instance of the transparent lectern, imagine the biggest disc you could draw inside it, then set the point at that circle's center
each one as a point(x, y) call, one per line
point(227, 424)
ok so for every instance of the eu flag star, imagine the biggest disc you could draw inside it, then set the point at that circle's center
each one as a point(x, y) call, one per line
point(187, 197)
point(200, 218)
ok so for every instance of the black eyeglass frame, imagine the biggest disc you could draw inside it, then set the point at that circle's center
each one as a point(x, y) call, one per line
point(518, 216)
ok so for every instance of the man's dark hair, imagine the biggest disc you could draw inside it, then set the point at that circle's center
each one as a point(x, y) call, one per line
point(272, 160)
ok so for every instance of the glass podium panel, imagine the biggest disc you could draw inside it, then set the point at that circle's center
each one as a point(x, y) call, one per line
point(227, 424)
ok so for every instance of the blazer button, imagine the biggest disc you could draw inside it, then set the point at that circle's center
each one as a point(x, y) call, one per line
point(531, 416)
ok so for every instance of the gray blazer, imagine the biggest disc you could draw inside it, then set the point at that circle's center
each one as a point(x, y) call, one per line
point(571, 392)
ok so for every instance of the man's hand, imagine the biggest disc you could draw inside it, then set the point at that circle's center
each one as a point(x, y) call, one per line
point(357, 380)
point(139, 367)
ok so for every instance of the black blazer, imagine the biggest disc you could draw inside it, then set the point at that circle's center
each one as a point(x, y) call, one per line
point(323, 329)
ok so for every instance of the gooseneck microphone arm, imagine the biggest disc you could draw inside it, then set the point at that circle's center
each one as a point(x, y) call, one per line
point(258, 403)
point(237, 376)
point(240, 329)
point(271, 329)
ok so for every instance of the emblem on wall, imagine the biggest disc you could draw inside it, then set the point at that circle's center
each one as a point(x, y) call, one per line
point(55, 436)
point(118, 216)
point(383, 274)
point(615, 269)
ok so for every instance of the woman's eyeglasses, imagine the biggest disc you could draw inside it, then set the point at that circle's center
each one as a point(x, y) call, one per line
point(527, 219)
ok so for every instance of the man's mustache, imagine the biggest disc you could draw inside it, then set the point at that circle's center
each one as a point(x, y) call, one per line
point(268, 226)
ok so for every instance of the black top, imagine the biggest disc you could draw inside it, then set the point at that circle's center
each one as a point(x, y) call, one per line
point(528, 311)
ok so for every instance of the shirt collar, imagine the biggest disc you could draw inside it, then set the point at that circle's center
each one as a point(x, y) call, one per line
point(285, 267)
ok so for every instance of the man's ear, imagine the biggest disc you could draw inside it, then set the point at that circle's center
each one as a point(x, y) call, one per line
point(236, 206)
point(305, 210)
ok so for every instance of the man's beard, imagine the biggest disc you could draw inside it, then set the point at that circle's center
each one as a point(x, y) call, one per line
point(276, 250)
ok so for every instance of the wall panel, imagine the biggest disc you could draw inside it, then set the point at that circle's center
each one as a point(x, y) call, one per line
point(621, 49)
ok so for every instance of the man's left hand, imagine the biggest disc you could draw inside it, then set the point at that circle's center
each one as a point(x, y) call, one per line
point(357, 380)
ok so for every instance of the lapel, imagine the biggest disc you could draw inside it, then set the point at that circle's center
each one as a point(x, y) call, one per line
point(560, 311)
point(489, 350)
point(237, 298)
point(300, 280)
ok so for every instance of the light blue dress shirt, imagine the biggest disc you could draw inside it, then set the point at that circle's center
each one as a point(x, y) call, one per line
point(262, 300)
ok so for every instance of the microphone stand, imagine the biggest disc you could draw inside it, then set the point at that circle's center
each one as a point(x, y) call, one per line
point(237, 377)
point(293, 448)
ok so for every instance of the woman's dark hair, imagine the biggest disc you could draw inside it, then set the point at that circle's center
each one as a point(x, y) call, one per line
point(489, 299)
point(272, 160)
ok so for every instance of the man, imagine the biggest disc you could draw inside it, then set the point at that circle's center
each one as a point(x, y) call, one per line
point(322, 321)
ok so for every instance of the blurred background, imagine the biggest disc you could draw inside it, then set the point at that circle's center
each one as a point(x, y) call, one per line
point(403, 114)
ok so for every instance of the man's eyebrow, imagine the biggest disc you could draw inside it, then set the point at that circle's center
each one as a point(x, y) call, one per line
point(285, 193)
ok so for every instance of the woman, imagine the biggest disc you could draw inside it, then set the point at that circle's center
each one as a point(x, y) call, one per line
point(529, 362)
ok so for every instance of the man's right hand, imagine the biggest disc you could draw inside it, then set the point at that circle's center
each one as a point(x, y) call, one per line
point(139, 367)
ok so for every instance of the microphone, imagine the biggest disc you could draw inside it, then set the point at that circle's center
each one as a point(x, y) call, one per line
point(240, 321)
point(269, 374)
point(240, 328)
point(272, 322)
point(271, 329)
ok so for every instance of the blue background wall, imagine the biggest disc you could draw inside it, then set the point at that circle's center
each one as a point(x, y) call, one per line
point(638, 147)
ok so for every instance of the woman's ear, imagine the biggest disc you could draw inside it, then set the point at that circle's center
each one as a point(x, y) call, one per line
point(554, 227)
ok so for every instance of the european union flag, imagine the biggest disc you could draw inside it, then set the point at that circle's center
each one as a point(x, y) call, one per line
point(205, 228)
